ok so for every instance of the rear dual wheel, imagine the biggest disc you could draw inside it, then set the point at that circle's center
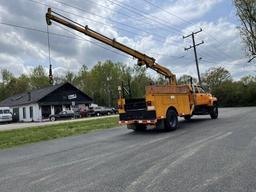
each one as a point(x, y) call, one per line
point(171, 121)
point(214, 112)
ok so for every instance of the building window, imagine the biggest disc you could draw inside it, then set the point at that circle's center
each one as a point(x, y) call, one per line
point(24, 112)
point(31, 112)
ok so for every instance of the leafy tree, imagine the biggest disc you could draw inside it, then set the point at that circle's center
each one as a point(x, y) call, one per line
point(102, 80)
point(7, 76)
point(71, 78)
point(38, 78)
point(246, 11)
point(248, 79)
point(139, 81)
point(13, 85)
point(214, 77)
point(185, 79)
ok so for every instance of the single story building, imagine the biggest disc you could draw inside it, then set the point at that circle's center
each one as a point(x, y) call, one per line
point(37, 105)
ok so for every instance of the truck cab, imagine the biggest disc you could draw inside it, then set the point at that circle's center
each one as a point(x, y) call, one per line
point(5, 114)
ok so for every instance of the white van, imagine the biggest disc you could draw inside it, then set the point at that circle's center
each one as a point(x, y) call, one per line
point(5, 114)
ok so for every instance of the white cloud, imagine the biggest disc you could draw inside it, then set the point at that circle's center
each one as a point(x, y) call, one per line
point(185, 10)
point(21, 49)
point(14, 64)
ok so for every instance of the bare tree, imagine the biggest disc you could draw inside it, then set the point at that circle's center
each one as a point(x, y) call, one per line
point(246, 11)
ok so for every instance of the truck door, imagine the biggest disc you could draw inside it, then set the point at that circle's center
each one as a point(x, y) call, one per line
point(201, 97)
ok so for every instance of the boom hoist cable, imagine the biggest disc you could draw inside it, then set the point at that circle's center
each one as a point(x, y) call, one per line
point(49, 57)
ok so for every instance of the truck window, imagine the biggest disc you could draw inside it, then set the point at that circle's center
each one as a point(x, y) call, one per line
point(1, 111)
point(6, 111)
point(201, 90)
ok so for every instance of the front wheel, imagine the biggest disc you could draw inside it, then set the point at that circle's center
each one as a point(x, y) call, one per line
point(171, 121)
point(52, 118)
point(214, 112)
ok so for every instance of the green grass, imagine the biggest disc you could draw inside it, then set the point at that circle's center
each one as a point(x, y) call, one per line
point(13, 138)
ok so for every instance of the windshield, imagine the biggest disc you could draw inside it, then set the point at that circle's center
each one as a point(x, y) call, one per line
point(6, 111)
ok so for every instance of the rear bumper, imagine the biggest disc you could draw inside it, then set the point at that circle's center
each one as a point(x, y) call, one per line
point(147, 122)
point(138, 116)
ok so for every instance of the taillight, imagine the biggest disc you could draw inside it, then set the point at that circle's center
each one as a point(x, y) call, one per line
point(149, 103)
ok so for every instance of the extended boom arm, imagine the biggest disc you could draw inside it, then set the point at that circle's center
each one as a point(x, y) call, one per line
point(143, 59)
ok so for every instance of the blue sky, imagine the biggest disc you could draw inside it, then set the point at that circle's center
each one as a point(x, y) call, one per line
point(150, 31)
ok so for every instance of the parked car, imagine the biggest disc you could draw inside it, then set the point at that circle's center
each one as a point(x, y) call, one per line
point(69, 114)
point(98, 111)
point(115, 111)
point(5, 114)
point(83, 113)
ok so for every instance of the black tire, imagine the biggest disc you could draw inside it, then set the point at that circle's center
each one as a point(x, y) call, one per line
point(214, 112)
point(171, 121)
point(52, 118)
point(187, 117)
point(140, 128)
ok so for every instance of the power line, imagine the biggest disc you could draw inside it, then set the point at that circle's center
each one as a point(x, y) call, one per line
point(60, 35)
point(143, 14)
point(158, 37)
point(64, 11)
point(185, 21)
point(206, 54)
point(86, 11)
point(89, 40)
point(127, 15)
point(107, 8)
point(209, 61)
point(79, 39)
point(168, 12)
point(177, 57)
point(217, 47)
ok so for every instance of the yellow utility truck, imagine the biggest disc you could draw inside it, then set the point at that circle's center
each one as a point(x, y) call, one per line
point(162, 104)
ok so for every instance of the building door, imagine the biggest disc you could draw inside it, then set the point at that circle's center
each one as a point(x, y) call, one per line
point(57, 109)
point(46, 111)
point(16, 114)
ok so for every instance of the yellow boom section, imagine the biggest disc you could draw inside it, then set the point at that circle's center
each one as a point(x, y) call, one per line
point(143, 59)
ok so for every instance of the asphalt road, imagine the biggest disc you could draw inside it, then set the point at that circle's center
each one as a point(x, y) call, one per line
point(203, 155)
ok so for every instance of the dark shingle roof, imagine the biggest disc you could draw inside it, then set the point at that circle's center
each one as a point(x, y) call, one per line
point(23, 98)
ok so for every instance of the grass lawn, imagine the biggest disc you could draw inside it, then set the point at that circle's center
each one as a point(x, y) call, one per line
point(42, 133)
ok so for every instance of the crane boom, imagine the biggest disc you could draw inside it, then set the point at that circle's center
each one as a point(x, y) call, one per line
point(143, 59)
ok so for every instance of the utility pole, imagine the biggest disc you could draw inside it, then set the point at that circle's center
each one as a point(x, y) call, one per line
point(195, 52)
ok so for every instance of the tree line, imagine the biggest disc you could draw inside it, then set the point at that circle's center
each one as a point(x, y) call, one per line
point(102, 80)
